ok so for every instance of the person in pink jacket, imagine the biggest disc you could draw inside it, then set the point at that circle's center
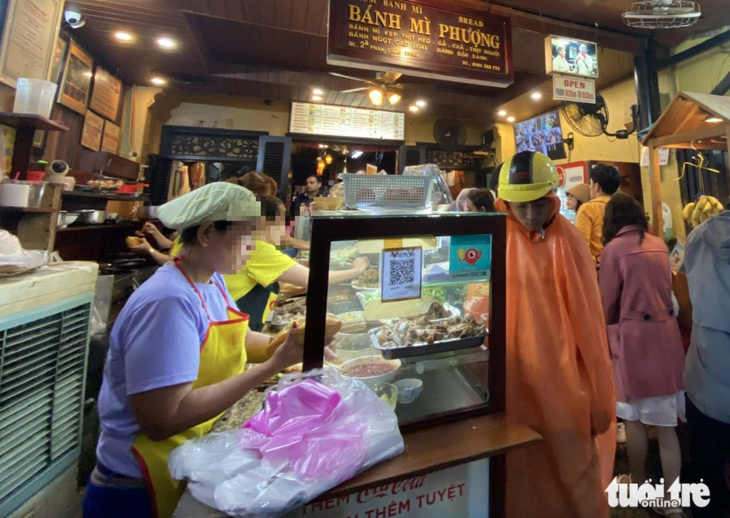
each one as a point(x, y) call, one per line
point(646, 345)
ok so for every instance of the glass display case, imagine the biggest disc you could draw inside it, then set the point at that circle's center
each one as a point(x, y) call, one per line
point(424, 325)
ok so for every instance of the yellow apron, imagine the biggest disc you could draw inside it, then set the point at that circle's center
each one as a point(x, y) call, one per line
point(222, 356)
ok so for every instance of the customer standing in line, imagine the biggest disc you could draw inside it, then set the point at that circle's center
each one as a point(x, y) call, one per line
point(577, 196)
point(604, 182)
point(646, 345)
point(707, 371)
point(558, 369)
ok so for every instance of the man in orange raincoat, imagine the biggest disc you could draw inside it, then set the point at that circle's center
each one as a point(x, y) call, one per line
point(559, 378)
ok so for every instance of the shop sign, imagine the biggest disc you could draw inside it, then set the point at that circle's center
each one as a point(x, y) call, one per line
point(458, 491)
point(400, 274)
point(470, 257)
point(422, 38)
point(574, 89)
point(570, 56)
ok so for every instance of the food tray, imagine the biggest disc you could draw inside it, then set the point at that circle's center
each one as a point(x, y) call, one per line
point(455, 312)
point(453, 344)
point(357, 287)
point(406, 191)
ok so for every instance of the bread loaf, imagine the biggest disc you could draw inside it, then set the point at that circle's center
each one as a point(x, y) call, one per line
point(133, 241)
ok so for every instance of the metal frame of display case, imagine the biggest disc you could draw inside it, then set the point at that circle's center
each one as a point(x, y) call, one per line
point(326, 230)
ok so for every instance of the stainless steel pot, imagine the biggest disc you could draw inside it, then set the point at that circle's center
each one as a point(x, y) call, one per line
point(93, 217)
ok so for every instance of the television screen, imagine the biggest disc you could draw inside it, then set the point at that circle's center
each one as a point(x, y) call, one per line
point(570, 56)
point(542, 134)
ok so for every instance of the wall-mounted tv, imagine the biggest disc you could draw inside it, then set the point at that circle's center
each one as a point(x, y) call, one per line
point(542, 134)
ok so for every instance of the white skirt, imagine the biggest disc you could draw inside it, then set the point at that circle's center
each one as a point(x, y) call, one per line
point(654, 411)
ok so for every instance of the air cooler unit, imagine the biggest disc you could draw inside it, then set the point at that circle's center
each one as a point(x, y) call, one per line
point(43, 354)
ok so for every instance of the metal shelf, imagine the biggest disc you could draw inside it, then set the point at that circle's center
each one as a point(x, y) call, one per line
point(105, 196)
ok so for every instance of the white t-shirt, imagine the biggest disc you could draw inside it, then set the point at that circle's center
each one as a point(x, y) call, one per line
point(585, 64)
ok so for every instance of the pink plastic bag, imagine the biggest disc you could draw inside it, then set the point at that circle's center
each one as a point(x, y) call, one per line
point(316, 431)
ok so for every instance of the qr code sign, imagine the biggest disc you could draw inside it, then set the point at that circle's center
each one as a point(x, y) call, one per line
point(402, 268)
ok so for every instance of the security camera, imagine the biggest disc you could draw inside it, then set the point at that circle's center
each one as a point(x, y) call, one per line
point(133, 154)
point(73, 18)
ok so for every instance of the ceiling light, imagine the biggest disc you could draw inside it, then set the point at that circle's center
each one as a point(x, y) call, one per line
point(328, 159)
point(316, 97)
point(501, 113)
point(421, 103)
point(376, 96)
point(318, 91)
point(536, 95)
point(158, 81)
point(394, 98)
point(413, 108)
point(123, 36)
point(356, 154)
point(510, 119)
point(166, 43)
point(713, 120)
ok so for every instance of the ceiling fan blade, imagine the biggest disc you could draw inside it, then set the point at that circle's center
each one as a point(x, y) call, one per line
point(391, 77)
point(343, 76)
point(352, 90)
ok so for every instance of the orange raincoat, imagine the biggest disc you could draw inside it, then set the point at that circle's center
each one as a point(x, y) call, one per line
point(559, 377)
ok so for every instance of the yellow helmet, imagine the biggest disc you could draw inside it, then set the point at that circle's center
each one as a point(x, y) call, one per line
point(527, 176)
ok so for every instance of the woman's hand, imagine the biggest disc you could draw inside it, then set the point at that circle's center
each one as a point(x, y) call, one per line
point(330, 354)
point(143, 246)
point(361, 264)
point(290, 353)
point(151, 229)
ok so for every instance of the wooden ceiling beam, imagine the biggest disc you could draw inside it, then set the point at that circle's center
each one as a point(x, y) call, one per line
point(534, 22)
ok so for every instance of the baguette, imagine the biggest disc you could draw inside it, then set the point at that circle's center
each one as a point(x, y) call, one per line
point(133, 241)
point(332, 327)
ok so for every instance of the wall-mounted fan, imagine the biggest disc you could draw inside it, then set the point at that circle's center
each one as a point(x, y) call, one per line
point(587, 119)
point(449, 133)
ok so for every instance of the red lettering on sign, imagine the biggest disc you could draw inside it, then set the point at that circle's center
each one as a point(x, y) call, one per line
point(572, 83)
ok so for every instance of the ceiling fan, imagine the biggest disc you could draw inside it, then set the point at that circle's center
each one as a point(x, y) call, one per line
point(384, 86)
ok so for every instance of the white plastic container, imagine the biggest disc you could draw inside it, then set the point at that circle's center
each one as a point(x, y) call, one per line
point(15, 194)
point(34, 96)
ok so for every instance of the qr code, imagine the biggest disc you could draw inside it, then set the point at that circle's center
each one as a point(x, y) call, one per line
point(402, 268)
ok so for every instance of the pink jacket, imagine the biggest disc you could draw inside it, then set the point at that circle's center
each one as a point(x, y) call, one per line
point(643, 333)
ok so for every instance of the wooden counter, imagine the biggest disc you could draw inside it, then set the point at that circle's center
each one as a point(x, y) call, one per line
point(427, 450)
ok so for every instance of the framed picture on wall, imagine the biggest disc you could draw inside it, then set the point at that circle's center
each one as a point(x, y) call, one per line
point(29, 36)
point(59, 53)
point(110, 142)
point(77, 74)
point(93, 131)
point(106, 95)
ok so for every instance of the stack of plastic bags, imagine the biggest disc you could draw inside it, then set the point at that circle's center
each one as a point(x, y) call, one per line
point(315, 432)
point(14, 259)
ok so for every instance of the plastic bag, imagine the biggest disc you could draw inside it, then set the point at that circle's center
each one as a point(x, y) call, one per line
point(316, 431)
point(13, 257)
point(440, 195)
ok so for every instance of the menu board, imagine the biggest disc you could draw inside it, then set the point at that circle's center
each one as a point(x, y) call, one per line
point(423, 38)
point(342, 121)
point(31, 28)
